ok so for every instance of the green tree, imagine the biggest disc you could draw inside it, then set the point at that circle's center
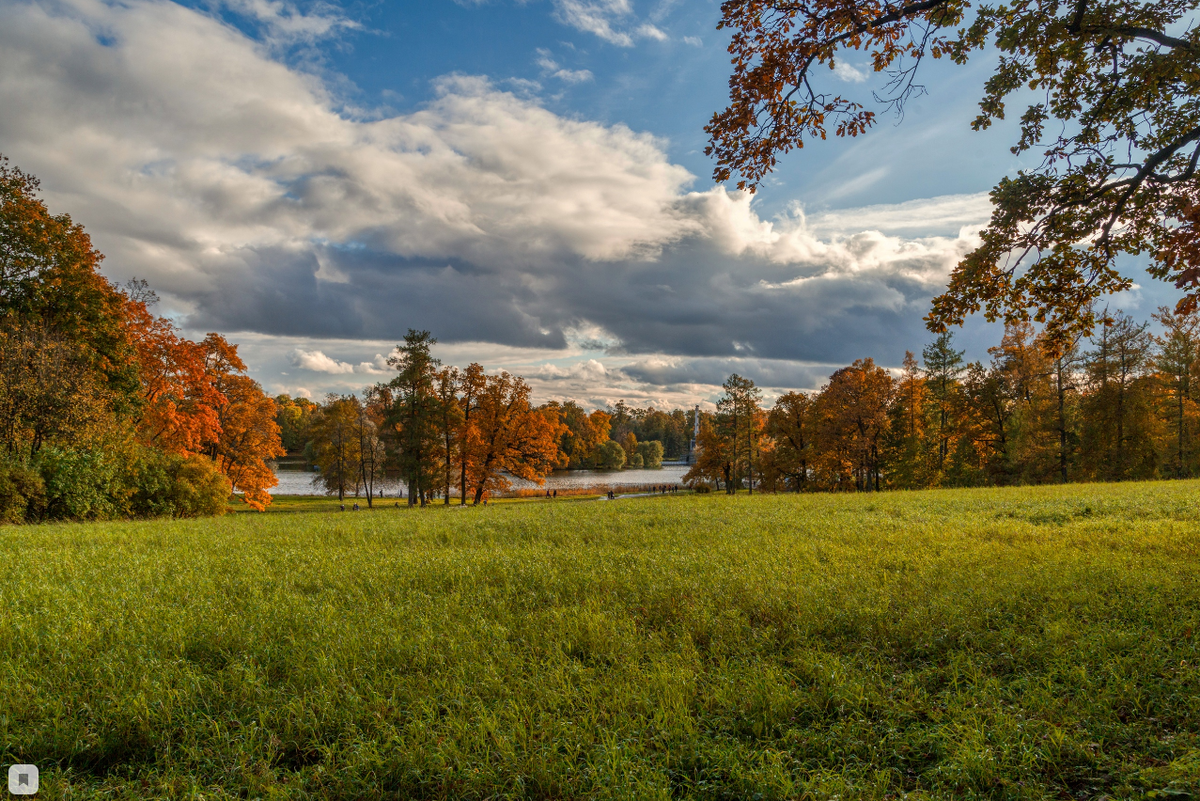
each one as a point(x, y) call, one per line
point(943, 366)
point(414, 412)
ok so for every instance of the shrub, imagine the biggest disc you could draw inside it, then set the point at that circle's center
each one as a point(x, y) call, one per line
point(80, 485)
point(651, 453)
point(636, 462)
point(22, 494)
point(200, 490)
point(166, 485)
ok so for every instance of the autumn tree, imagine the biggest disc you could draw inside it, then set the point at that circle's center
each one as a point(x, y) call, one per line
point(853, 422)
point(1176, 363)
point(791, 426)
point(294, 417)
point(180, 403)
point(335, 443)
point(507, 436)
point(249, 440)
point(906, 451)
point(1112, 110)
point(48, 392)
point(583, 434)
point(50, 279)
point(714, 453)
point(1023, 371)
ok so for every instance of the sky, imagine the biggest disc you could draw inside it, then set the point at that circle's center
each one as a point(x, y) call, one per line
point(524, 179)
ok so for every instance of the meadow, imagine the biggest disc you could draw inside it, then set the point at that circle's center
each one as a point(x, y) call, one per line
point(1002, 644)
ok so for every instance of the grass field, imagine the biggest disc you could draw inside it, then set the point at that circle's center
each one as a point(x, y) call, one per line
point(1022, 643)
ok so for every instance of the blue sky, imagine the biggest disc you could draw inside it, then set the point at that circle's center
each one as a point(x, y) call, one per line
point(525, 179)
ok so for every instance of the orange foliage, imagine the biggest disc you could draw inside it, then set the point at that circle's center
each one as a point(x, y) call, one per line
point(249, 438)
point(180, 411)
point(507, 435)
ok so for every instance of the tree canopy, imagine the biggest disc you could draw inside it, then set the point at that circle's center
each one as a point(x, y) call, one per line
point(1114, 114)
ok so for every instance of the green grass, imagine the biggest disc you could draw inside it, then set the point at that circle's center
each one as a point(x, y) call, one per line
point(1020, 643)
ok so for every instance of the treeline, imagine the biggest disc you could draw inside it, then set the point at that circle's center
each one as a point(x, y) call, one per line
point(105, 410)
point(1119, 407)
point(448, 432)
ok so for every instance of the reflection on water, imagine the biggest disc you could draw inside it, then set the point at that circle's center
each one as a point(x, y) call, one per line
point(298, 482)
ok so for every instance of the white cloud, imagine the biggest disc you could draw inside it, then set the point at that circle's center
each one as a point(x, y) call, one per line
point(286, 23)
point(849, 73)
point(318, 362)
point(651, 32)
point(694, 41)
point(606, 19)
point(551, 67)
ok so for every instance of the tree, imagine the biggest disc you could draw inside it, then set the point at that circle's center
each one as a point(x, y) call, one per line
point(1116, 442)
point(1114, 80)
point(651, 452)
point(508, 436)
point(1175, 365)
point(48, 392)
point(450, 418)
point(714, 460)
point(471, 384)
point(943, 365)
point(853, 421)
point(370, 448)
point(335, 443)
point(790, 425)
point(583, 434)
point(414, 413)
point(1023, 371)
point(906, 449)
point(249, 438)
point(739, 422)
point(294, 417)
point(50, 278)
point(180, 403)
point(608, 455)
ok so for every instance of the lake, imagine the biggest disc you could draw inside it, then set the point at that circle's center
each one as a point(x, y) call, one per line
point(299, 482)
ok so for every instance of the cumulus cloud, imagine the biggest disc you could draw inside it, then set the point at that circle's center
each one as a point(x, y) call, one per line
point(254, 203)
point(318, 362)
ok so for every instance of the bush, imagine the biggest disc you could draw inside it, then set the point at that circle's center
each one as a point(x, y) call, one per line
point(166, 485)
point(636, 462)
point(609, 455)
point(200, 490)
point(80, 485)
point(22, 494)
point(651, 453)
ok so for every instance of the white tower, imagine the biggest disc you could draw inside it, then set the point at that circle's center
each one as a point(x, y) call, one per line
point(695, 443)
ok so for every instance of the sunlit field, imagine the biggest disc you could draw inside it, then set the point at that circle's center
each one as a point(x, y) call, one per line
point(1018, 643)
